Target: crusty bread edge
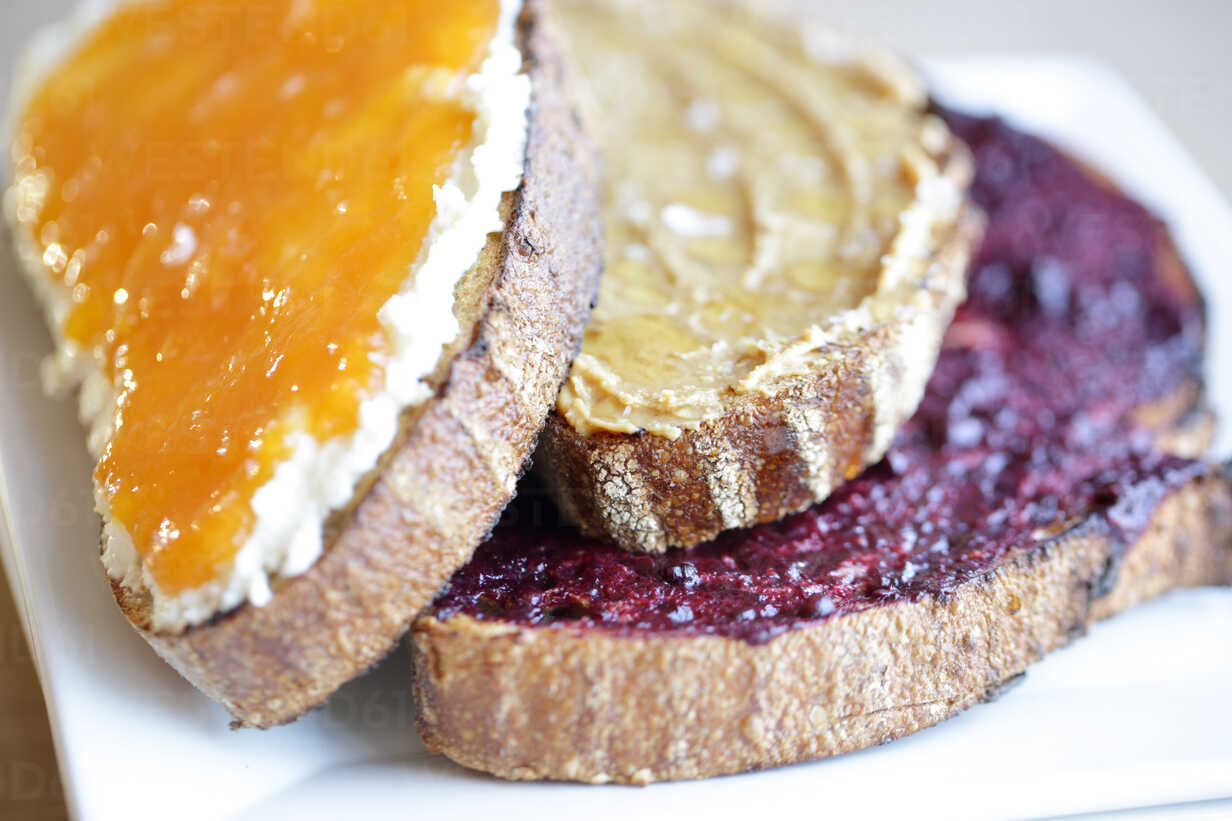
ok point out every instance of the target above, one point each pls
(442, 488)
(1183, 422)
(770, 455)
(563, 704)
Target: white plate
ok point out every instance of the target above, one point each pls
(1136, 714)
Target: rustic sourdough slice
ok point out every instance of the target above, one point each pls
(520, 302)
(786, 241)
(1026, 499)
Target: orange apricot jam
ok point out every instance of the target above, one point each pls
(230, 191)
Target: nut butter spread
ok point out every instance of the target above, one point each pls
(220, 198)
(767, 194)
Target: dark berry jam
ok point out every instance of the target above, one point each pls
(1075, 320)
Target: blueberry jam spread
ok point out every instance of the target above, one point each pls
(1078, 315)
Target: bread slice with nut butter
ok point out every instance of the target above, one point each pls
(786, 237)
(317, 272)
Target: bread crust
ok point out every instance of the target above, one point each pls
(442, 487)
(770, 455)
(565, 704)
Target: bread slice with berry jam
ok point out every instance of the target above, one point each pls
(1048, 480)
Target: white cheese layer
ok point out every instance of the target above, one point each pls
(320, 477)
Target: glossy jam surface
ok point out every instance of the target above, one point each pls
(230, 191)
(1027, 428)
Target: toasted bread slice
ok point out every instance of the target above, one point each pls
(1027, 498)
(600, 707)
(434, 495)
(785, 246)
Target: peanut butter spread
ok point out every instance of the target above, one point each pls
(769, 195)
(234, 207)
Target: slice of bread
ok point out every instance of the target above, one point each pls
(1027, 498)
(562, 704)
(457, 456)
(780, 390)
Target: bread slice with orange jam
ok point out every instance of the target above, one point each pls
(318, 283)
(786, 235)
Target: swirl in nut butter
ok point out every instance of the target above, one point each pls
(757, 185)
